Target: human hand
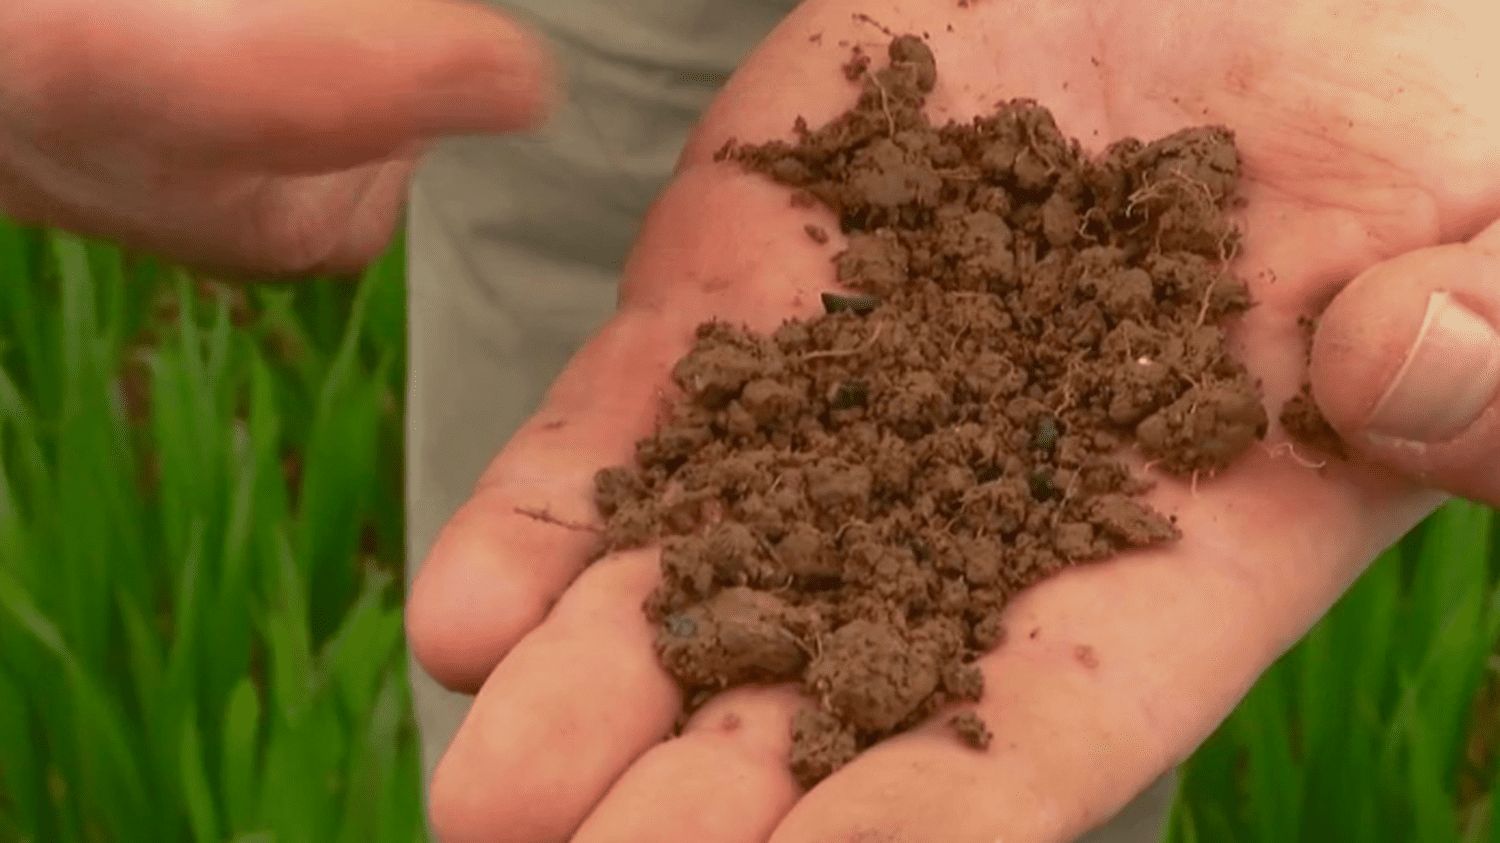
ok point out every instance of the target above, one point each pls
(259, 135)
(1406, 365)
(1353, 119)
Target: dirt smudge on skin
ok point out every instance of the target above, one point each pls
(1086, 656)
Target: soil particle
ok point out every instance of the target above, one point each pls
(1304, 422)
(850, 502)
(871, 677)
(963, 682)
(821, 743)
(1205, 429)
(1300, 416)
(738, 635)
(971, 730)
(1130, 522)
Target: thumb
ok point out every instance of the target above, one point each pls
(280, 85)
(1406, 365)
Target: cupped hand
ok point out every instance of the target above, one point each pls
(1369, 130)
(251, 135)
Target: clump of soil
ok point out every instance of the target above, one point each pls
(971, 730)
(1300, 416)
(850, 502)
(1304, 423)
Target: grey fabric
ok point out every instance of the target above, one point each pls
(515, 245)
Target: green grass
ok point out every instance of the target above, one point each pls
(200, 549)
(1379, 725)
(200, 632)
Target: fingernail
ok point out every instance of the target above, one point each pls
(1450, 375)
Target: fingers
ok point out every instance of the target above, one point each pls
(294, 226)
(1113, 673)
(716, 246)
(230, 225)
(561, 717)
(284, 85)
(371, 223)
(1406, 365)
(243, 136)
(279, 227)
(725, 780)
(531, 525)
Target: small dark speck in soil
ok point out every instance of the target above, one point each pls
(1305, 424)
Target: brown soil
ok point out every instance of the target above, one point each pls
(1304, 422)
(850, 502)
(971, 730)
(1300, 416)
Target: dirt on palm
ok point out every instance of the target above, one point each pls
(849, 503)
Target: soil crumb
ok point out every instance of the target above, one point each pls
(1300, 416)
(1305, 424)
(971, 730)
(849, 502)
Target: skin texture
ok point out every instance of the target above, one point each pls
(1368, 131)
(261, 136)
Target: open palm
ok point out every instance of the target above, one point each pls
(1367, 130)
